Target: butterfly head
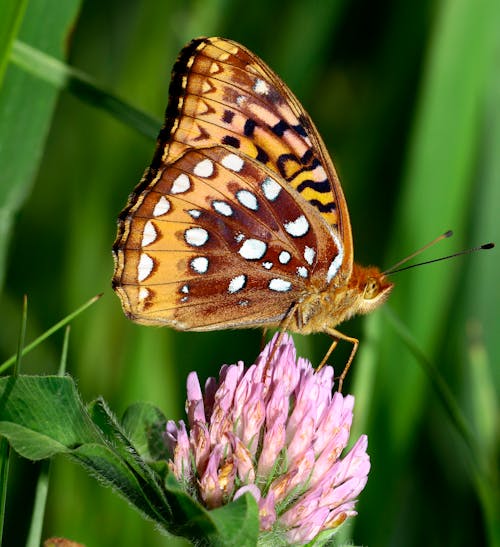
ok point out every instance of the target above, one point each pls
(371, 287)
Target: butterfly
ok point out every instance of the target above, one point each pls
(240, 220)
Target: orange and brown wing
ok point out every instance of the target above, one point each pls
(219, 241)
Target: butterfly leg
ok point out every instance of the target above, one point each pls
(263, 338)
(327, 354)
(336, 335)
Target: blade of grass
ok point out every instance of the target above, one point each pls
(22, 337)
(12, 16)
(441, 388)
(64, 353)
(49, 332)
(485, 418)
(26, 108)
(62, 76)
(42, 487)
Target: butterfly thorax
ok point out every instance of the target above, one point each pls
(366, 290)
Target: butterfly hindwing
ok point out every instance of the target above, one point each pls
(220, 241)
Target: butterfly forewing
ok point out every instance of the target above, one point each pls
(220, 241)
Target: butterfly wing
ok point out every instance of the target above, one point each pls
(221, 93)
(218, 240)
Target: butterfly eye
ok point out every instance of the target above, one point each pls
(372, 288)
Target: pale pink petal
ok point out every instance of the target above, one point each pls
(179, 441)
(242, 460)
(338, 418)
(267, 512)
(344, 492)
(210, 489)
(278, 404)
(302, 439)
(194, 404)
(209, 399)
(252, 419)
(303, 509)
(200, 446)
(273, 442)
(251, 489)
(308, 530)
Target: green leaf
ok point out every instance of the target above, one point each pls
(149, 480)
(110, 469)
(191, 519)
(238, 521)
(44, 416)
(146, 424)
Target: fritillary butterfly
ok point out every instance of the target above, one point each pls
(240, 220)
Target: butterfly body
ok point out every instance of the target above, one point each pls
(240, 221)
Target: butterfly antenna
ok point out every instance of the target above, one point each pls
(395, 269)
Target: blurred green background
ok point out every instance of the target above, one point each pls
(407, 98)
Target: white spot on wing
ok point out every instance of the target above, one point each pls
(162, 207)
(222, 208)
(181, 184)
(270, 188)
(247, 199)
(309, 255)
(298, 227)
(185, 289)
(253, 249)
(239, 237)
(204, 168)
(233, 162)
(194, 213)
(143, 293)
(302, 271)
(214, 68)
(261, 87)
(145, 267)
(196, 236)
(200, 264)
(284, 257)
(267, 265)
(279, 285)
(149, 234)
(337, 261)
(237, 283)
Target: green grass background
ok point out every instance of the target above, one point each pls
(407, 98)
